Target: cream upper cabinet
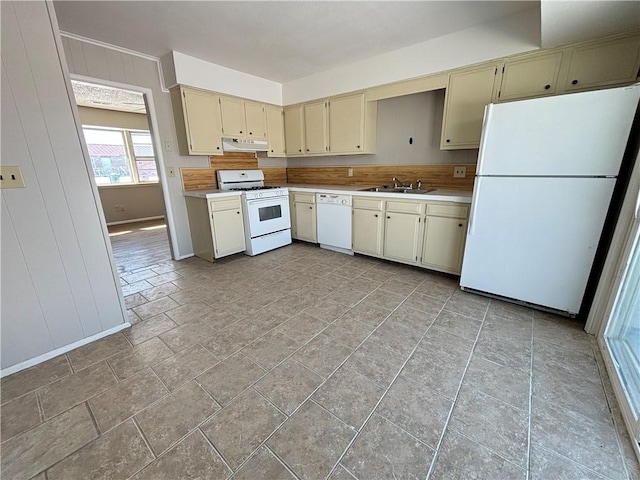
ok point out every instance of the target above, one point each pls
(315, 127)
(233, 117)
(467, 94)
(227, 227)
(368, 225)
(294, 130)
(275, 130)
(304, 217)
(603, 63)
(530, 77)
(256, 120)
(346, 124)
(198, 121)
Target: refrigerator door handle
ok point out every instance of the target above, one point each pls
(474, 206)
(637, 211)
(483, 138)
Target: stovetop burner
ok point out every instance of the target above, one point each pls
(246, 189)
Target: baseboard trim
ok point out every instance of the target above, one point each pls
(136, 220)
(59, 351)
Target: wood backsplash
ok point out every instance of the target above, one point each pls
(439, 176)
(199, 178)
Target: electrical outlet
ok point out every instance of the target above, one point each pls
(350, 172)
(171, 172)
(459, 171)
(11, 177)
(119, 208)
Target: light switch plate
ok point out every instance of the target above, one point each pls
(459, 171)
(11, 177)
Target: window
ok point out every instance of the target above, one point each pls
(121, 156)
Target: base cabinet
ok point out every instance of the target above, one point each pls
(401, 237)
(444, 243)
(216, 225)
(368, 227)
(304, 218)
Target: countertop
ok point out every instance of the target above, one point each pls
(443, 195)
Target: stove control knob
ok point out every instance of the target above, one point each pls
(259, 195)
(344, 202)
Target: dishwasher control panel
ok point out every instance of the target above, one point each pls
(333, 199)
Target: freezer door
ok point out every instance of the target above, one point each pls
(534, 239)
(580, 134)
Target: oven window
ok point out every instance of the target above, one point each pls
(270, 212)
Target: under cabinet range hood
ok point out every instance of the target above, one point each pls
(244, 145)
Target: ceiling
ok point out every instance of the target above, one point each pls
(279, 41)
(99, 96)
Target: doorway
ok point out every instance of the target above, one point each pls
(124, 159)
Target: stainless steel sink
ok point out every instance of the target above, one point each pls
(399, 190)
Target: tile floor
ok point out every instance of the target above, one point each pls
(303, 363)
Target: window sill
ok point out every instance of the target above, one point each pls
(129, 185)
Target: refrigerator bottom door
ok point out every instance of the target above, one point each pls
(534, 239)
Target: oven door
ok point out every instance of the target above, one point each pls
(267, 215)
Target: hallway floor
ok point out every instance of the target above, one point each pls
(303, 363)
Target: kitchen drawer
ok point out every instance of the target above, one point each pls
(367, 203)
(225, 204)
(447, 210)
(405, 207)
(300, 197)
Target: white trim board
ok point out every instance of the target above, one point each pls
(135, 220)
(59, 351)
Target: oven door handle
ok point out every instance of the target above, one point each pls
(257, 201)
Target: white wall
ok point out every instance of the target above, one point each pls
(573, 21)
(58, 283)
(194, 72)
(514, 34)
(417, 116)
(100, 63)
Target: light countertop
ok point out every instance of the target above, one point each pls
(442, 195)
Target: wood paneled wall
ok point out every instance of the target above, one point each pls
(199, 178)
(439, 176)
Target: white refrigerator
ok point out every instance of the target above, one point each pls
(546, 172)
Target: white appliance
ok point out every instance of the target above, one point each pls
(267, 222)
(244, 145)
(334, 222)
(546, 172)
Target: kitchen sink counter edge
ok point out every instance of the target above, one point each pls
(443, 195)
(210, 193)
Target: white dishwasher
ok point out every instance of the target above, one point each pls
(334, 222)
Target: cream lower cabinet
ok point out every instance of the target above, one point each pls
(445, 231)
(217, 227)
(402, 230)
(303, 216)
(368, 226)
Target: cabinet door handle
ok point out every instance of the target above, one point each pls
(250, 133)
(238, 213)
(300, 150)
(375, 215)
(310, 208)
(547, 86)
(388, 216)
(459, 224)
(240, 131)
(448, 140)
(574, 82)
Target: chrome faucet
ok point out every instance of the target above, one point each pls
(396, 181)
(419, 184)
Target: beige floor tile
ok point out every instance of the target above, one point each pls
(322, 355)
(97, 351)
(155, 307)
(498, 381)
(193, 457)
(327, 310)
(230, 377)
(146, 330)
(126, 399)
(32, 378)
(416, 409)
(35, 450)
(546, 464)
(311, 441)
(263, 466)
(564, 332)
(347, 296)
(466, 327)
(348, 332)
(509, 310)
(492, 423)
(136, 287)
(160, 291)
(76, 388)
(367, 312)
(518, 330)
(467, 306)
(349, 396)
(117, 454)
(383, 451)
(270, 349)
(301, 327)
(139, 357)
(232, 339)
(436, 290)
(184, 366)
(386, 299)
(187, 335)
(341, 473)
(189, 312)
(459, 457)
(19, 415)
(134, 300)
(424, 303)
(239, 429)
(164, 278)
(396, 337)
(288, 385)
(168, 420)
(395, 285)
(376, 362)
(412, 318)
(503, 351)
(547, 356)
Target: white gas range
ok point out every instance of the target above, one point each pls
(267, 222)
